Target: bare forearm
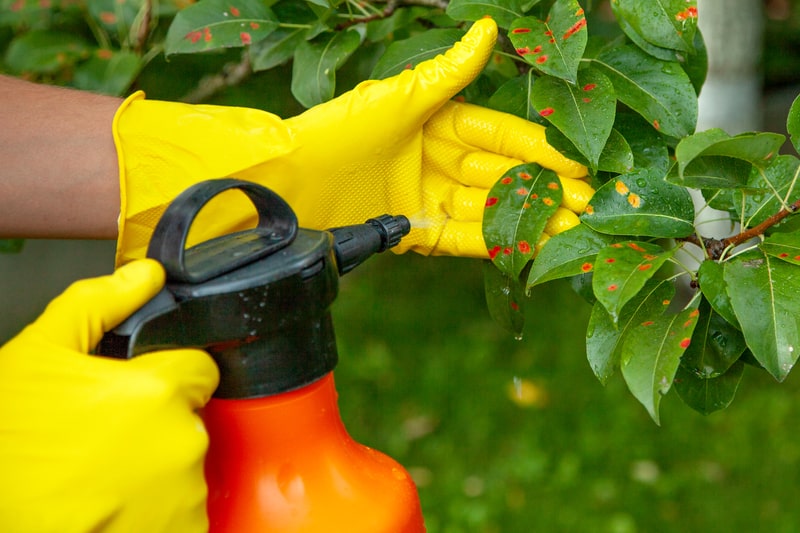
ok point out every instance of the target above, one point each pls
(59, 174)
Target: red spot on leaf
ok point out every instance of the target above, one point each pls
(235, 11)
(245, 37)
(547, 201)
(541, 59)
(194, 36)
(409, 66)
(611, 260)
(666, 302)
(688, 323)
(492, 200)
(646, 266)
(589, 86)
(694, 313)
(506, 180)
(552, 40)
(537, 49)
(494, 251)
(523, 51)
(616, 245)
(534, 196)
(255, 25)
(547, 111)
(548, 33)
(524, 247)
(522, 191)
(635, 247)
(108, 17)
(507, 251)
(649, 257)
(18, 5)
(579, 12)
(613, 287)
(586, 100)
(784, 255)
(685, 343)
(586, 267)
(656, 124)
(521, 30)
(797, 258)
(514, 305)
(575, 28)
(524, 175)
(553, 185)
(648, 323)
(105, 53)
(207, 34)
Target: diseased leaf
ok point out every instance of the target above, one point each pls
(584, 113)
(658, 90)
(214, 24)
(641, 203)
(517, 209)
(604, 338)
(622, 269)
(785, 246)
(651, 355)
(315, 65)
(568, 254)
(763, 292)
(553, 46)
(667, 24)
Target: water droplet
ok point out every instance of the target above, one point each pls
(641, 182)
(518, 337)
(246, 316)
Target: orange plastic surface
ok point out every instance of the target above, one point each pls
(286, 463)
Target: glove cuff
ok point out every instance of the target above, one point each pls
(165, 147)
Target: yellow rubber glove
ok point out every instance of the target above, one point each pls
(392, 146)
(89, 443)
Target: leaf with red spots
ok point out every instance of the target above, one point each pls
(315, 65)
(763, 292)
(658, 90)
(584, 115)
(518, 207)
(410, 52)
(215, 24)
(641, 203)
(554, 46)
(669, 24)
(568, 254)
(505, 297)
(651, 355)
(504, 12)
(714, 159)
(604, 337)
(622, 269)
(785, 246)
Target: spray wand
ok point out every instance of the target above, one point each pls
(258, 301)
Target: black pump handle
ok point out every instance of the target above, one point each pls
(276, 228)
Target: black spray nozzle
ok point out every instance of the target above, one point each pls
(355, 244)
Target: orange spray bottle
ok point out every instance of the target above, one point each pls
(280, 459)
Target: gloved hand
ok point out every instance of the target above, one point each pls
(89, 443)
(393, 146)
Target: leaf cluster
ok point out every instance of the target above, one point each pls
(673, 306)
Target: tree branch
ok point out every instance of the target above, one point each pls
(232, 74)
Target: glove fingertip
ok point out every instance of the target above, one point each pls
(191, 372)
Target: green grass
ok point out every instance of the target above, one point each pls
(427, 377)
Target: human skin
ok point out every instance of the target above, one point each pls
(59, 174)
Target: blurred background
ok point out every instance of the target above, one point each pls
(517, 435)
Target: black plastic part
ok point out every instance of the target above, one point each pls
(265, 321)
(277, 226)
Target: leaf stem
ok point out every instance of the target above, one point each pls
(232, 74)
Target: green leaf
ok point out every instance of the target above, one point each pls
(45, 52)
(514, 97)
(641, 203)
(647, 146)
(616, 157)
(584, 113)
(658, 90)
(517, 209)
(504, 12)
(214, 24)
(567, 254)
(116, 16)
(554, 46)
(662, 23)
(716, 345)
(651, 355)
(710, 276)
(108, 72)
(714, 159)
(763, 292)
(793, 124)
(708, 395)
(279, 46)
(622, 269)
(411, 52)
(767, 191)
(315, 65)
(785, 246)
(11, 246)
(605, 338)
(504, 297)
